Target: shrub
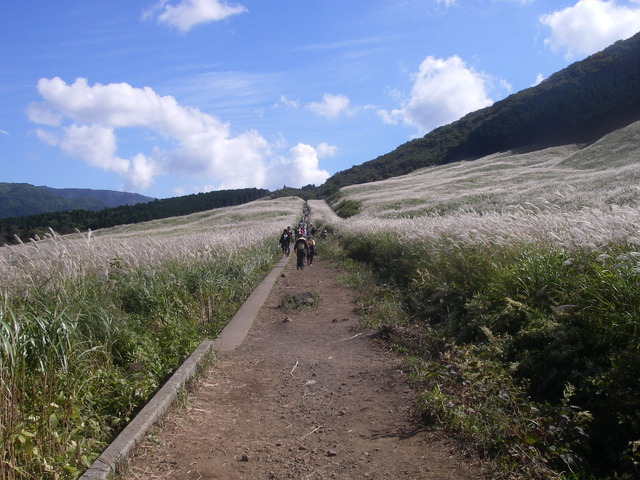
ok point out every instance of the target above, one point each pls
(347, 208)
(552, 332)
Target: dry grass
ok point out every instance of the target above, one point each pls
(568, 177)
(224, 231)
(565, 196)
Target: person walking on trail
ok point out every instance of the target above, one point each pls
(301, 249)
(285, 242)
(311, 249)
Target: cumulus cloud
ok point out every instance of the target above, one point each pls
(590, 26)
(331, 106)
(189, 13)
(539, 79)
(325, 150)
(302, 163)
(443, 91)
(90, 120)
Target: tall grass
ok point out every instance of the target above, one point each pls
(567, 178)
(521, 272)
(527, 351)
(91, 325)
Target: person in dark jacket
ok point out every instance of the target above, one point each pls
(285, 242)
(301, 248)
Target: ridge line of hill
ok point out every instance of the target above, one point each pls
(578, 104)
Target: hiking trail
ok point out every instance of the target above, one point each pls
(308, 394)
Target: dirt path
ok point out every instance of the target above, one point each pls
(308, 395)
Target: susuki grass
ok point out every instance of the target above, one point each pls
(91, 324)
(565, 178)
(520, 273)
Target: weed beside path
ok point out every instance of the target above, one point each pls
(308, 394)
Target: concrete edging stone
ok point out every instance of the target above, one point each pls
(229, 339)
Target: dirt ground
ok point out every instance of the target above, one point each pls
(308, 395)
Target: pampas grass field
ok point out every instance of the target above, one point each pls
(523, 271)
(92, 323)
(515, 274)
(567, 178)
(216, 233)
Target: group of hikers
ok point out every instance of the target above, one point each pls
(304, 244)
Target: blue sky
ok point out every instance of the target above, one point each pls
(173, 97)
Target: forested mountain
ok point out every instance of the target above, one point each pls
(578, 104)
(63, 222)
(109, 198)
(18, 199)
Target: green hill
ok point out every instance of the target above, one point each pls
(109, 198)
(578, 104)
(19, 199)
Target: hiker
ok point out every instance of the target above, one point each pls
(301, 249)
(285, 242)
(311, 249)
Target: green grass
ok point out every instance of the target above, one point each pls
(526, 351)
(79, 358)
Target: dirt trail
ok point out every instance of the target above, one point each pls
(308, 395)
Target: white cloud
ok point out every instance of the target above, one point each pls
(142, 172)
(443, 91)
(331, 106)
(95, 144)
(325, 150)
(43, 116)
(539, 79)
(288, 102)
(91, 119)
(189, 13)
(590, 26)
(300, 166)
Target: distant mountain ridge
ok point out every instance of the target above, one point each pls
(110, 198)
(578, 104)
(20, 199)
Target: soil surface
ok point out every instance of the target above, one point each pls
(308, 395)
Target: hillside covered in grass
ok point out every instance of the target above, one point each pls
(567, 177)
(511, 285)
(68, 221)
(578, 104)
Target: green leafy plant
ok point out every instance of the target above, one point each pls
(522, 349)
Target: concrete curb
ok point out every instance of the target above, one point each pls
(229, 339)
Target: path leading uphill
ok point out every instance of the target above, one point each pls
(307, 395)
